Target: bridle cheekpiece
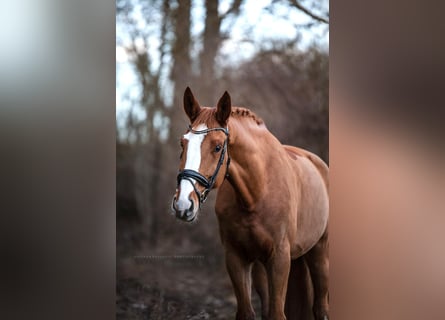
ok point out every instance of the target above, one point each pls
(208, 184)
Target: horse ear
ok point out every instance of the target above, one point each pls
(191, 105)
(223, 109)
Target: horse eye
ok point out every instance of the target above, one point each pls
(218, 148)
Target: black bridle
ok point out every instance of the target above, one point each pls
(208, 184)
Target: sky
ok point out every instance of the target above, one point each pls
(246, 31)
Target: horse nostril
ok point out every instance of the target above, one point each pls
(192, 206)
(179, 214)
(192, 203)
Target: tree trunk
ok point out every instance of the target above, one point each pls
(211, 44)
(181, 70)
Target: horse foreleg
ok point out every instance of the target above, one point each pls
(240, 273)
(317, 260)
(261, 286)
(278, 267)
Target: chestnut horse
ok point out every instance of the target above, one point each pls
(272, 204)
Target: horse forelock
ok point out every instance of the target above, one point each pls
(206, 116)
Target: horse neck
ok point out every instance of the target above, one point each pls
(253, 152)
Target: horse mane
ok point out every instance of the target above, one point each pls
(244, 112)
(207, 115)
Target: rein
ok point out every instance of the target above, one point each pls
(208, 184)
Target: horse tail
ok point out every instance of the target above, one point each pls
(299, 296)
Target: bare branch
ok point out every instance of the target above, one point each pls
(163, 45)
(234, 8)
(299, 6)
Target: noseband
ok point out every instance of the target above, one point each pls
(208, 184)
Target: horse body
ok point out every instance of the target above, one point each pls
(274, 201)
(272, 207)
(249, 201)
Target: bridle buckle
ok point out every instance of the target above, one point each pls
(204, 195)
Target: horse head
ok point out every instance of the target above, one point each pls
(204, 158)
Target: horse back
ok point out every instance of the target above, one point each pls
(323, 169)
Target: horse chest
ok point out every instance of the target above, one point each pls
(247, 236)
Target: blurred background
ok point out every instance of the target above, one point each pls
(272, 57)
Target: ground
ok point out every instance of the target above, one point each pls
(160, 286)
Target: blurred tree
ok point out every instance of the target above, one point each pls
(169, 22)
(212, 39)
(181, 61)
(289, 89)
(323, 17)
(147, 162)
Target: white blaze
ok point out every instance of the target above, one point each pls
(192, 162)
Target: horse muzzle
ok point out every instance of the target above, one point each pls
(183, 210)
